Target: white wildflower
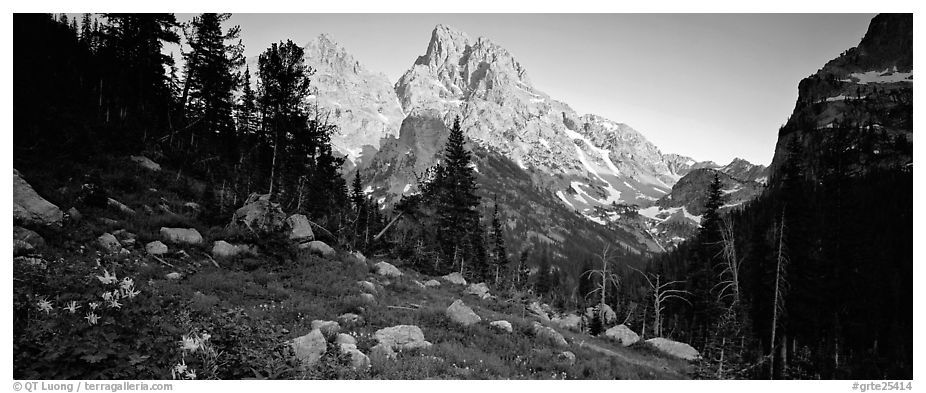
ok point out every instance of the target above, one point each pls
(44, 305)
(92, 318)
(72, 307)
(107, 278)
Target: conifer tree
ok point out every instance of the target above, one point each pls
(499, 253)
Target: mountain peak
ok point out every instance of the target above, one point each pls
(325, 50)
(447, 44)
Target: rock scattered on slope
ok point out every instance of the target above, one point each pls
(674, 348)
(567, 358)
(623, 335)
(609, 316)
(121, 207)
(455, 278)
(30, 208)
(329, 329)
(26, 241)
(223, 249)
(156, 248)
(109, 243)
(319, 248)
(480, 290)
(462, 314)
(402, 337)
(432, 283)
(367, 286)
(310, 347)
(350, 320)
(300, 230)
(535, 309)
(368, 298)
(181, 235)
(502, 325)
(258, 215)
(549, 335)
(387, 269)
(173, 276)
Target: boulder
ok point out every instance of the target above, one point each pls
(173, 276)
(345, 339)
(609, 316)
(535, 309)
(569, 322)
(432, 283)
(146, 163)
(623, 335)
(480, 290)
(382, 352)
(566, 358)
(30, 208)
(402, 337)
(548, 335)
(156, 248)
(299, 229)
(181, 235)
(419, 284)
(674, 348)
(223, 249)
(455, 278)
(367, 286)
(350, 320)
(368, 298)
(310, 348)
(121, 207)
(359, 256)
(318, 248)
(502, 325)
(109, 243)
(386, 269)
(358, 360)
(329, 329)
(26, 241)
(462, 314)
(75, 215)
(258, 215)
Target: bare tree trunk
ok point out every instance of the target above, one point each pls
(778, 302)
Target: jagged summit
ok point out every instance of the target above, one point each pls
(324, 49)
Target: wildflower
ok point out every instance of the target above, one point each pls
(107, 278)
(107, 296)
(44, 305)
(94, 305)
(115, 304)
(179, 368)
(127, 283)
(131, 293)
(72, 307)
(92, 318)
(191, 374)
(189, 343)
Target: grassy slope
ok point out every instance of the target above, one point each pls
(289, 292)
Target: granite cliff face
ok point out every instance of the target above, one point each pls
(362, 103)
(860, 102)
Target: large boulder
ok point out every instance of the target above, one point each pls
(30, 208)
(462, 314)
(109, 243)
(358, 360)
(350, 320)
(502, 325)
(345, 339)
(181, 236)
(146, 163)
(566, 358)
(156, 248)
(299, 229)
(480, 290)
(402, 337)
(223, 249)
(258, 215)
(310, 348)
(674, 348)
(387, 269)
(432, 283)
(623, 335)
(548, 335)
(319, 248)
(26, 241)
(535, 309)
(569, 322)
(455, 278)
(329, 329)
(609, 316)
(366, 286)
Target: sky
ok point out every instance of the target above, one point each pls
(709, 86)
